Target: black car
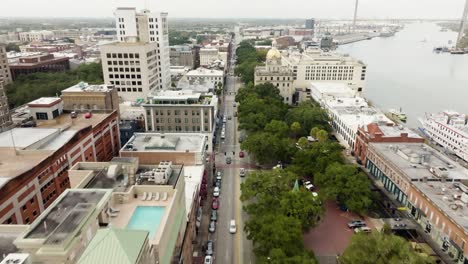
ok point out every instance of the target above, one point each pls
(214, 215)
(218, 184)
(228, 160)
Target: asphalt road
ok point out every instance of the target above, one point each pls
(231, 248)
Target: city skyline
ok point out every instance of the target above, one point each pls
(337, 9)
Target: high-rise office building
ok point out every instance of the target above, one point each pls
(147, 27)
(310, 23)
(139, 63)
(5, 78)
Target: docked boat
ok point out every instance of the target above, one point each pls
(398, 114)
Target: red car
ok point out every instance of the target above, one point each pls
(215, 204)
(241, 154)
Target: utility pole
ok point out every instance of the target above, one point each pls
(461, 33)
(355, 14)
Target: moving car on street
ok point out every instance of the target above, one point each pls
(232, 226)
(241, 154)
(242, 172)
(228, 160)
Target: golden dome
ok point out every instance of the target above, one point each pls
(273, 54)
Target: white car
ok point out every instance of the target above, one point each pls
(308, 185)
(232, 226)
(208, 260)
(218, 176)
(242, 172)
(363, 229)
(216, 192)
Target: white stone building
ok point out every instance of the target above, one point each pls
(278, 75)
(203, 75)
(133, 68)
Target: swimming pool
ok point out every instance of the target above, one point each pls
(146, 218)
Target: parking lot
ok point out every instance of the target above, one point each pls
(332, 235)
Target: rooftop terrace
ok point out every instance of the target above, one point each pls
(164, 142)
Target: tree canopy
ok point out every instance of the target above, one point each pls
(347, 185)
(380, 248)
(27, 88)
(247, 59)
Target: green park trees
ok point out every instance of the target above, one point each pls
(381, 248)
(278, 214)
(347, 185)
(247, 59)
(29, 87)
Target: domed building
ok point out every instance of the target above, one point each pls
(277, 74)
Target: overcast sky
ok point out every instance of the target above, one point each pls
(239, 8)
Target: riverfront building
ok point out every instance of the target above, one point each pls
(430, 185)
(450, 130)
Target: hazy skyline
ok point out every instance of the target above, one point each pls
(341, 9)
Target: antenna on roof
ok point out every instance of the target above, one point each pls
(13, 141)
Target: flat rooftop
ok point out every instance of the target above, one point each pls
(396, 131)
(85, 87)
(181, 97)
(8, 234)
(166, 142)
(14, 163)
(45, 101)
(205, 72)
(65, 215)
(333, 89)
(442, 194)
(416, 160)
(64, 121)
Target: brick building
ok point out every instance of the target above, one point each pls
(388, 133)
(35, 160)
(430, 186)
(5, 78)
(38, 63)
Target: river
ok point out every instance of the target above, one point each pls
(403, 71)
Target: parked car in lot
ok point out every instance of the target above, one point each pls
(309, 186)
(232, 226)
(362, 229)
(214, 215)
(216, 192)
(228, 160)
(215, 204)
(241, 154)
(242, 172)
(208, 260)
(356, 223)
(212, 227)
(209, 248)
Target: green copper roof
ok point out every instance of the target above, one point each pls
(296, 186)
(117, 246)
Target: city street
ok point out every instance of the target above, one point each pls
(231, 248)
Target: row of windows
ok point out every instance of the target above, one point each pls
(330, 67)
(179, 120)
(123, 55)
(131, 63)
(125, 76)
(176, 112)
(131, 69)
(180, 128)
(126, 82)
(123, 89)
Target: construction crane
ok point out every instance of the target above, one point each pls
(461, 33)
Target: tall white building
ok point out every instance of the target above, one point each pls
(450, 130)
(133, 68)
(139, 63)
(149, 27)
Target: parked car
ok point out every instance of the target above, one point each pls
(241, 154)
(356, 223)
(242, 172)
(208, 260)
(228, 160)
(212, 227)
(224, 119)
(216, 192)
(209, 248)
(232, 226)
(234, 105)
(218, 184)
(309, 186)
(362, 229)
(229, 117)
(214, 215)
(215, 204)
(218, 176)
